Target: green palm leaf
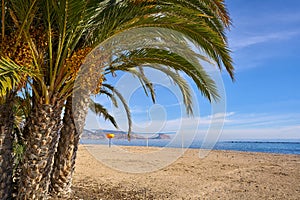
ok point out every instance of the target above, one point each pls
(204, 22)
(153, 57)
(100, 110)
(12, 75)
(124, 103)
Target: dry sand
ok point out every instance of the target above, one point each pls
(220, 175)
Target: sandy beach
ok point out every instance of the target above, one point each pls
(220, 175)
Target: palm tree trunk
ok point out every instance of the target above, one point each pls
(64, 164)
(43, 128)
(61, 179)
(6, 150)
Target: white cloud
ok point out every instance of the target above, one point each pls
(174, 105)
(263, 119)
(287, 132)
(244, 41)
(236, 126)
(138, 110)
(220, 115)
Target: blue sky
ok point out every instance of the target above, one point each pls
(263, 102)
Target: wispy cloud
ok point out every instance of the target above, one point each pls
(286, 132)
(254, 120)
(244, 41)
(138, 110)
(174, 105)
(236, 126)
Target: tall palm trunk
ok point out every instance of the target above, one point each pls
(43, 128)
(61, 179)
(64, 164)
(6, 150)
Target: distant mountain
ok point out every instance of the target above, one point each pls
(101, 134)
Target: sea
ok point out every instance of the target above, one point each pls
(265, 146)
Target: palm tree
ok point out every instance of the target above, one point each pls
(214, 26)
(65, 156)
(6, 145)
(57, 33)
(15, 67)
(12, 79)
(64, 160)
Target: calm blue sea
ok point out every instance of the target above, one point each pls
(266, 146)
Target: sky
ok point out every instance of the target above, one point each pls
(264, 100)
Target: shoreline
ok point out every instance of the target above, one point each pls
(216, 149)
(222, 174)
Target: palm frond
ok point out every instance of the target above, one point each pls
(111, 92)
(110, 96)
(204, 22)
(12, 75)
(73, 24)
(124, 103)
(180, 82)
(159, 56)
(98, 109)
(138, 73)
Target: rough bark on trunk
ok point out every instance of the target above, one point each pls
(61, 178)
(76, 111)
(64, 161)
(43, 128)
(6, 150)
